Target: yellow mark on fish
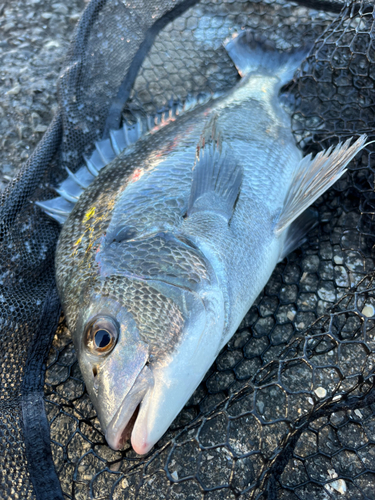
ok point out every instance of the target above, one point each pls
(89, 214)
(91, 226)
(78, 241)
(264, 90)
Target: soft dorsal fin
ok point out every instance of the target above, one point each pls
(217, 175)
(313, 177)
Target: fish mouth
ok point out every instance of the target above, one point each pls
(121, 426)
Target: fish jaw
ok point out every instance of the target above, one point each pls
(162, 404)
(119, 429)
(176, 378)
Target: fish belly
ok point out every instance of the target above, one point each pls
(244, 254)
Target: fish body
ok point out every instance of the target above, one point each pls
(167, 249)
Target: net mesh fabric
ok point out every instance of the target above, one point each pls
(287, 411)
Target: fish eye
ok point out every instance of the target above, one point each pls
(101, 335)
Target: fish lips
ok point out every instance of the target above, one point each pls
(120, 427)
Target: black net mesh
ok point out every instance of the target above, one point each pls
(288, 409)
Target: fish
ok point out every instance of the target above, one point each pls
(169, 235)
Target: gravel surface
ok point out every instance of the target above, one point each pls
(34, 37)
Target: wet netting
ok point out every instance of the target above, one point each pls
(288, 409)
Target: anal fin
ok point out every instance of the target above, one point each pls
(313, 177)
(217, 176)
(297, 231)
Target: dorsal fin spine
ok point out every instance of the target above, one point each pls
(66, 195)
(75, 178)
(119, 140)
(139, 127)
(126, 133)
(100, 152)
(115, 146)
(90, 166)
(149, 123)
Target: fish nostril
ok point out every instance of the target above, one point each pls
(94, 371)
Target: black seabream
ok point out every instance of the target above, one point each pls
(169, 236)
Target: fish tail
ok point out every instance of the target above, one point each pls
(255, 54)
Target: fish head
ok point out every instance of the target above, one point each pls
(144, 343)
(114, 363)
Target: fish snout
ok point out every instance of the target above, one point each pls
(120, 427)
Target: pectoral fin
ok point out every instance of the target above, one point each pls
(217, 176)
(313, 177)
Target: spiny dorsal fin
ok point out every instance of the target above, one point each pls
(217, 175)
(107, 149)
(313, 177)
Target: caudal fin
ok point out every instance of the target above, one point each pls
(252, 54)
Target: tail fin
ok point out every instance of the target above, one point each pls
(254, 54)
